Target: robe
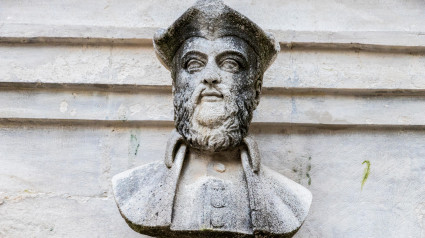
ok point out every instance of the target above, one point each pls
(146, 195)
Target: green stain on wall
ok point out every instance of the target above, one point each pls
(309, 179)
(134, 145)
(303, 169)
(137, 149)
(366, 172)
(308, 170)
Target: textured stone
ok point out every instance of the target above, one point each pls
(50, 216)
(301, 16)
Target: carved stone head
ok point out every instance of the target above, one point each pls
(217, 58)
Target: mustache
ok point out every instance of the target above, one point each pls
(203, 90)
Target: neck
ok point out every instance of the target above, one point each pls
(228, 156)
(216, 164)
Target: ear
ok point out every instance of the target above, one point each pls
(258, 86)
(172, 147)
(253, 152)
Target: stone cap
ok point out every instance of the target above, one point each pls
(212, 19)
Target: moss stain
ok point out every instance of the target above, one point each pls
(366, 172)
(309, 179)
(134, 145)
(205, 229)
(308, 170)
(302, 170)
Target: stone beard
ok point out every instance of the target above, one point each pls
(214, 124)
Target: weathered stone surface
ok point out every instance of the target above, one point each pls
(38, 149)
(67, 171)
(303, 15)
(330, 164)
(50, 216)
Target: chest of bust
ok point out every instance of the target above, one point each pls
(212, 195)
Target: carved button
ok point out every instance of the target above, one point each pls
(217, 219)
(219, 167)
(218, 194)
(218, 202)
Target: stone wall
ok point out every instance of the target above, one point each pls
(83, 97)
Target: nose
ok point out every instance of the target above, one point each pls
(211, 77)
(211, 80)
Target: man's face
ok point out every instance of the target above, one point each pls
(215, 91)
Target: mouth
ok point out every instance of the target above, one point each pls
(211, 96)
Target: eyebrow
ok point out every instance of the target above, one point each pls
(190, 53)
(234, 52)
(194, 52)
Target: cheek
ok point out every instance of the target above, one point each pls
(243, 82)
(183, 83)
(180, 80)
(185, 79)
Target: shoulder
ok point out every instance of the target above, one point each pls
(137, 191)
(129, 182)
(288, 202)
(288, 187)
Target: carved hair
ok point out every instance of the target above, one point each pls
(229, 134)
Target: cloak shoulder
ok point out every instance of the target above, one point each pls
(279, 205)
(145, 195)
(137, 191)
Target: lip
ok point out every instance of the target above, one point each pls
(211, 96)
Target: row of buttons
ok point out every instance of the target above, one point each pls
(218, 201)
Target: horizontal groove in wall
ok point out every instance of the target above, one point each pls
(386, 41)
(132, 88)
(352, 46)
(86, 123)
(257, 126)
(76, 41)
(147, 42)
(285, 45)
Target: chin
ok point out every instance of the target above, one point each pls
(225, 135)
(212, 126)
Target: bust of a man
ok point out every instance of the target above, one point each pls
(212, 183)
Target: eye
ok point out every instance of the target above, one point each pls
(230, 65)
(194, 65)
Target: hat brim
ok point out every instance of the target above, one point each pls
(212, 20)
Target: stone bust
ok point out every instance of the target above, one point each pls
(212, 183)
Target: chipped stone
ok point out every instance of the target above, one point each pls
(219, 167)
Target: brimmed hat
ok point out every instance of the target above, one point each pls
(212, 19)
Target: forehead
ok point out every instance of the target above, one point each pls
(211, 47)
